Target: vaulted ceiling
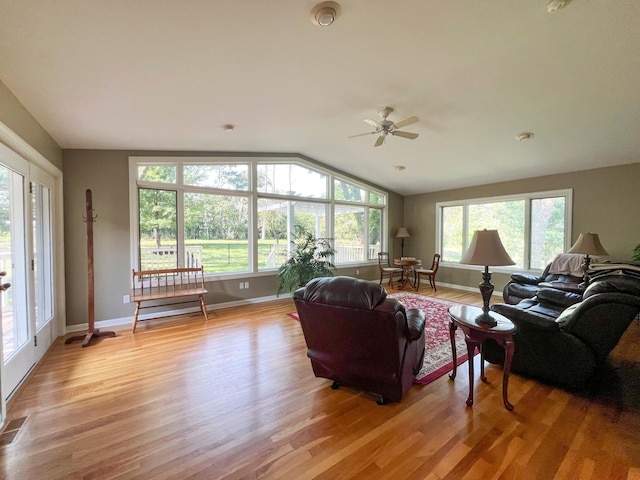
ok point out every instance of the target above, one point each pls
(165, 75)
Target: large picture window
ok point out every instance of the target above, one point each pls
(534, 228)
(239, 215)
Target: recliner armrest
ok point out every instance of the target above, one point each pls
(526, 278)
(415, 323)
(523, 317)
(555, 297)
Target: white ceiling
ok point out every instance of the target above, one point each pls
(165, 74)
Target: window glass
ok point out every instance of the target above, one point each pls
(158, 228)
(348, 192)
(452, 229)
(278, 221)
(291, 179)
(226, 176)
(507, 218)
(375, 233)
(377, 199)
(216, 232)
(157, 173)
(547, 230)
(349, 234)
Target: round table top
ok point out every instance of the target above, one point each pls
(407, 261)
(467, 315)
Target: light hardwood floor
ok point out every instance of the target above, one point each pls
(235, 398)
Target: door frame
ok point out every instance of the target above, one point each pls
(27, 152)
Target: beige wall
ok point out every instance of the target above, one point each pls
(605, 201)
(22, 123)
(106, 174)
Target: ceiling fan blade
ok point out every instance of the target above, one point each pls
(407, 121)
(373, 123)
(405, 134)
(361, 134)
(379, 141)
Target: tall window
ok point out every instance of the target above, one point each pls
(533, 227)
(239, 215)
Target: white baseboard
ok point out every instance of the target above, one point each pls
(114, 322)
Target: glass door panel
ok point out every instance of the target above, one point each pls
(17, 352)
(42, 254)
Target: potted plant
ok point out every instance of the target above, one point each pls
(310, 258)
(636, 254)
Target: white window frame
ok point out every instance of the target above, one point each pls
(528, 198)
(253, 196)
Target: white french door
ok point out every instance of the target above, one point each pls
(26, 239)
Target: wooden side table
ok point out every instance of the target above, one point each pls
(407, 266)
(475, 333)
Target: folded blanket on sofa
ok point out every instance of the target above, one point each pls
(567, 264)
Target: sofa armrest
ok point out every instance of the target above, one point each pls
(526, 318)
(556, 297)
(415, 323)
(526, 278)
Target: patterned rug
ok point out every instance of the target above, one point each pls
(437, 357)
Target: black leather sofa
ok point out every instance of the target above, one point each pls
(526, 285)
(561, 337)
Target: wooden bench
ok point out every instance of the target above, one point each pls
(156, 286)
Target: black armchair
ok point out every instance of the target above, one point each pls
(561, 338)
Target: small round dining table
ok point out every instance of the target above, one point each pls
(407, 265)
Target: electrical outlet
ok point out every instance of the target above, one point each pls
(241, 285)
(246, 284)
(357, 271)
(126, 299)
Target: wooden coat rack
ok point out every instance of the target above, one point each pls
(91, 332)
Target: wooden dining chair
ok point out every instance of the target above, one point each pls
(429, 272)
(384, 262)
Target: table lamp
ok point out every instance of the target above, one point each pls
(402, 234)
(486, 249)
(589, 244)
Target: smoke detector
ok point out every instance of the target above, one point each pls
(325, 13)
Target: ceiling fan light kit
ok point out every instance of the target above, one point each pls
(385, 127)
(325, 13)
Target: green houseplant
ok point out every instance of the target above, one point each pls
(310, 258)
(636, 254)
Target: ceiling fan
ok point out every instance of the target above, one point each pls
(386, 127)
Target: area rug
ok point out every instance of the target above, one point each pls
(438, 359)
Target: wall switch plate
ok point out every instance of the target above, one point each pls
(241, 285)
(246, 284)
(126, 299)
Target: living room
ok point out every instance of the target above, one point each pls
(603, 185)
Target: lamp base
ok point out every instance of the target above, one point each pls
(486, 290)
(486, 320)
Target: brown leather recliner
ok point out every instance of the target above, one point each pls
(358, 337)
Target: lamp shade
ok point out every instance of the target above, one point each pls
(402, 233)
(588, 244)
(486, 249)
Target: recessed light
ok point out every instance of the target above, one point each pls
(228, 127)
(524, 136)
